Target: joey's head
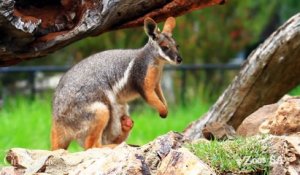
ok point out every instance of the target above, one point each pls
(163, 42)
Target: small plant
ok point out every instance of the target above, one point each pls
(242, 155)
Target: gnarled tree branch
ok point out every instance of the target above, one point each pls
(33, 28)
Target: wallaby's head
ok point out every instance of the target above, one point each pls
(163, 42)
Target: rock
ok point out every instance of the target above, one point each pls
(250, 126)
(182, 161)
(286, 119)
(285, 151)
(123, 159)
(218, 131)
(10, 170)
(163, 156)
(282, 118)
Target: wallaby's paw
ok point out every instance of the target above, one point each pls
(126, 123)
(164, 114)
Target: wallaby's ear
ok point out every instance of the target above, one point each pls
(169, 25)
(150, 27)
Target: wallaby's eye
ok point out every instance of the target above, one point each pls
(164, 48)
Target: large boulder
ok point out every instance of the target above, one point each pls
(282, 118)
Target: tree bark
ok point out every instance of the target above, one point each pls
(30, 29)
(271, 71)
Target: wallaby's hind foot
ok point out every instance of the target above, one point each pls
(58, 138)
(94, 137)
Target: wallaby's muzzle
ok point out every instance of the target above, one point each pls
(178, 59)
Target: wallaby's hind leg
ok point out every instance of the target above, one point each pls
(94, 136)
(58, 138)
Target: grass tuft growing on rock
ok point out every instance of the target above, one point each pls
(242, 155)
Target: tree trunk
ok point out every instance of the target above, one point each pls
(34, 28)
(271, 71)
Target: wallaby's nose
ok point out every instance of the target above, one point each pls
(178, 59)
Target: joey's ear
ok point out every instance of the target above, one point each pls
(169, 25)
(150, 27)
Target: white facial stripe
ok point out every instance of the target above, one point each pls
(122, 82)
(162, 54)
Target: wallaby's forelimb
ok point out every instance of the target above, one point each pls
(160, 94)
(151, 96)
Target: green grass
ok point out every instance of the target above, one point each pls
(25, 123)
(242, 155)
(295, 91)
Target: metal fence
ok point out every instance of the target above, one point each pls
(32, 71)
